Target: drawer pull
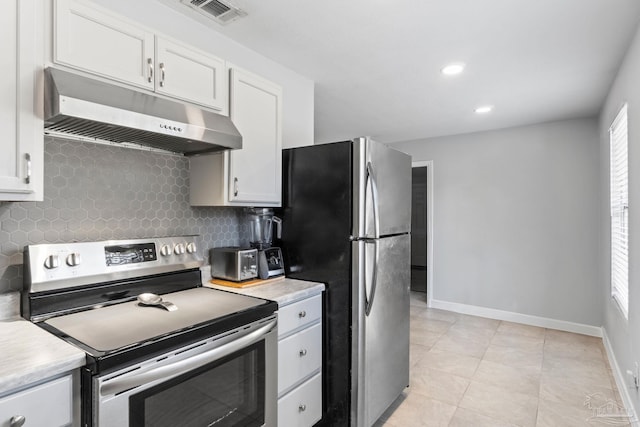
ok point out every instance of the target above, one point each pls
(17, 421)
(303, 352)
(302, 407)
(302, 314)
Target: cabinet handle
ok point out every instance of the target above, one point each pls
(303, 352)
(302, 407)
(150, 75)
(302, 314)
(17, 421)
(162, 74)
(235, 186)
(27, 178)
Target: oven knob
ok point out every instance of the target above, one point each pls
(165, 250)
(191, 247)
(179, 249)
(51, 262)
(73, 259)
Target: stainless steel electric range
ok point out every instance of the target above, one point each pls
(162, 350)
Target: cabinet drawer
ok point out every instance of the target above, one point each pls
(303, 406)
(299, 356)
(46, 405)
(299, 314)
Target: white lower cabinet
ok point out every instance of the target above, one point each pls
(303, 406)
(44, 405)
(300, 314)
(300, 363)
(299, 356)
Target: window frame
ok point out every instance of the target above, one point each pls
(619, 209)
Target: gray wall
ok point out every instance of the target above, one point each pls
(99, 192)
(516, 219)
(623, 334)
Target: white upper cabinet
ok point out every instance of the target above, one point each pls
(190, 74)
(250, 176)
(256, 110)
(92, 39)
(21, 137)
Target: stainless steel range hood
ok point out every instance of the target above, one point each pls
(81, 106)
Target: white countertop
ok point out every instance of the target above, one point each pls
(29, 354)
(283, 292)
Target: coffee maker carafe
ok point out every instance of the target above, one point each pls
(261, 222)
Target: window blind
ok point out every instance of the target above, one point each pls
(619, 211)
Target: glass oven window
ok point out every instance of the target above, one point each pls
(227, 392)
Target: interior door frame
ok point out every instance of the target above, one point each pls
(429, 165)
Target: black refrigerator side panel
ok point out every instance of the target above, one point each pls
(317, 224)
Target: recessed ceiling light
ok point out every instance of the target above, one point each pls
(484, 109)
(453, 69)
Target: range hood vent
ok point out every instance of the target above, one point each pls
(81, 106)
(217, 10)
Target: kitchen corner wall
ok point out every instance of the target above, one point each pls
(515, 220)
(100, 192)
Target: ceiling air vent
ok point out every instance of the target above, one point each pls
(221, 12)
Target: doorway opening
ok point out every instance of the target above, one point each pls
(421, 242)
(419, 229)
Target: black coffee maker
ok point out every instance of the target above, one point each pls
(261, 221)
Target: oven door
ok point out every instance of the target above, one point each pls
(228, 380)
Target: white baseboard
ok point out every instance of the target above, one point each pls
(621, 379)
(510, 316)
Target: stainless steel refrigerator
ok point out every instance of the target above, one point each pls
(346, 222)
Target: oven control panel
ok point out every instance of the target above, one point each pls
(130, 254)
(61, 265)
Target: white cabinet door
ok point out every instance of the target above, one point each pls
(250, 176)
(256, 110)
(93, 40)
(48, 404)
(191, 75)
(21, 135)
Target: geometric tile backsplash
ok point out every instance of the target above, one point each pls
(100, 192)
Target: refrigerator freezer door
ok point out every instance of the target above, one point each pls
(378, 167)
(381, 339)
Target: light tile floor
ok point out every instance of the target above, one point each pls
(473, 372)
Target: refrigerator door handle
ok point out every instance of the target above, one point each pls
(374, 200)
(368, 299)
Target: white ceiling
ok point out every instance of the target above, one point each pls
(376, 63)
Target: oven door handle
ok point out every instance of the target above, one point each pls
(128, 382)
